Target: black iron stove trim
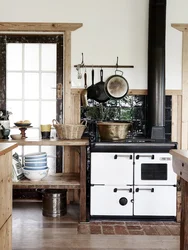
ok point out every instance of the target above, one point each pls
(133, 147)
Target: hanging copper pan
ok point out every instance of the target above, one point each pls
(116, 86)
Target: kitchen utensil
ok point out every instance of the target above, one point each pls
(16, 136)
(45, 131)
(116, 86)
(35, 175)
(113, 131)
(35, 164)
(91, 89)
(36, 155)
(99, 92)
(84, 92)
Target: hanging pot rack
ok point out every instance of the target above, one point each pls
(82, 65)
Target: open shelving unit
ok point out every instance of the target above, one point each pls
(70, 181)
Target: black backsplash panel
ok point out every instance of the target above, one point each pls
(132, 108)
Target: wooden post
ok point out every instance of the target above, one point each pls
(83, 183)
(184, 118)
(184, 217)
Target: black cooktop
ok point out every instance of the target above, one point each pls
(134, 145)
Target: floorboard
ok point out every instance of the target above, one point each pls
(31, 230)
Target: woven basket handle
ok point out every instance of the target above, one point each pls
(55, 122)
(84, 122)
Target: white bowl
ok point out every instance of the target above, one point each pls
(35, 168)
(35, 164)
(36, 159)
(16, 136)
(36, 155)
(35, 175)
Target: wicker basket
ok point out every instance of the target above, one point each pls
(69, 131)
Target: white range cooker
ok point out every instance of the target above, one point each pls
(136, 184)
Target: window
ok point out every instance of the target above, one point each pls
(33, 69)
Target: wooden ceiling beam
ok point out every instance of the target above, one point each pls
(180, 26)
(38, 27)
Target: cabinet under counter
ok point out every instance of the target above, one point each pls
(6, 195)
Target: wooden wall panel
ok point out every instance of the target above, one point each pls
(6, 201)
(5, 187)
(6, 235)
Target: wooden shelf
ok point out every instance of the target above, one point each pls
(66, 181)
(46, 142)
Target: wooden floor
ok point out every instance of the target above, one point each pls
(31, 230)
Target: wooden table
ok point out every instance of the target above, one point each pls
(66, 181)
(180, 167)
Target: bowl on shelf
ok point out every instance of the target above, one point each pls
(35, 168)
(35, 175)
(22, 124)
(36, 156)
(41, 160)
(16, 136)
(35, 164)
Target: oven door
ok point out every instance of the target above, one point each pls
(112, 168)
(111, 200)
(154, 169)
(155, 201)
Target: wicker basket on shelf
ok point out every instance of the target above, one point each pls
(69, 131)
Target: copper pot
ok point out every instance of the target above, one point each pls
(113, 131)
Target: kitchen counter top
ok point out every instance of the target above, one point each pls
(180, 167)
(180, 163)
(6, 147)
(48, 142)
(180, 154)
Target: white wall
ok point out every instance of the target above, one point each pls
(110, 29)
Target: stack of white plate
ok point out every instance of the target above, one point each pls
(35, 166)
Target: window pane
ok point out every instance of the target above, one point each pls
(48, 112)
(14, 86)
(14, 56)
(31, 57)
(48, 86)
(32, 133)
(15, 130)
(31, 149)
(48, 57)
(31, 85)
(50, 150)
(31, 112)
(16, 108)
(18, 150)
(52, 165)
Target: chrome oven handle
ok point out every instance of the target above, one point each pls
(124, 156)
(150, 156)
(123, 189)
(145, 189)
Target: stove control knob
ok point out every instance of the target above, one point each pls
(123, 201)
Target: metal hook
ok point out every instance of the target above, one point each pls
(82, 63)
(79, 66)
(117, 67)
(117, 62)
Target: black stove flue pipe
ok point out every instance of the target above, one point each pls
(156, 69)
